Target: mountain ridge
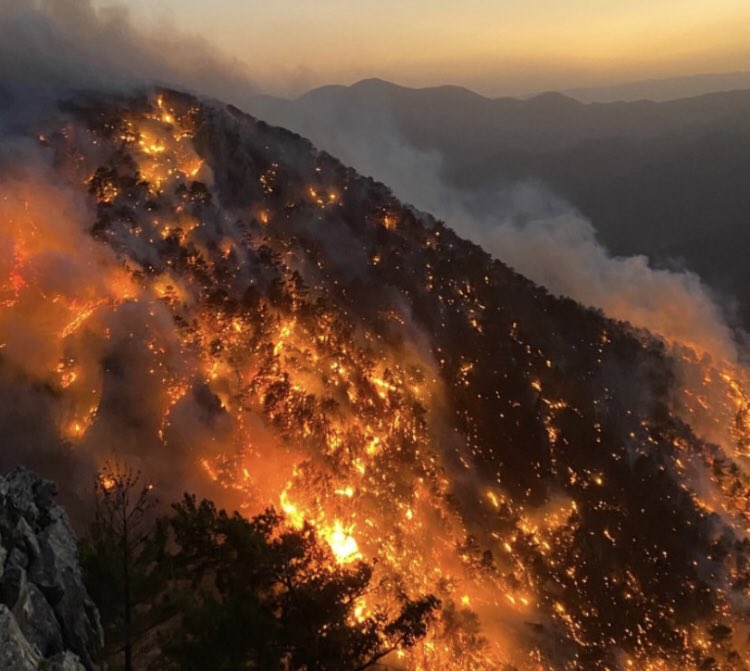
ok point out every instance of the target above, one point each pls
(270, 328)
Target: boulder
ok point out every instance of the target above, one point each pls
(65, 661)
(12, 585)
(38, 622)
(16, 653)
(47, 620)
(58, 575)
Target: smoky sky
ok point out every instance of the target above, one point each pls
(51, 48)
(496, 48)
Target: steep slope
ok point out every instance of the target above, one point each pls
(245, 316)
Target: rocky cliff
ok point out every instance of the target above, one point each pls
(47, 620)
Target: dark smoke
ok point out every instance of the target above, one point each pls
(49, 48)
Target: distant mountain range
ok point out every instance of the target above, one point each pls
(668, 179)
(669, 88)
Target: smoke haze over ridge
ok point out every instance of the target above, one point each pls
(53, 47)
(532, 229)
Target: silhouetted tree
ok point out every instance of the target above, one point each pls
(118, 553)
(226, 592)
(263, 596)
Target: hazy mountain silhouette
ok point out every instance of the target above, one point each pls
(669, 88)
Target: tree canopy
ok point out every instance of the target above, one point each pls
(214, 590)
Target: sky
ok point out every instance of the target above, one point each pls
(495, 47)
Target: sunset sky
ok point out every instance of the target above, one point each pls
(493, 46)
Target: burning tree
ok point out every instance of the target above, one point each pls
(264, 596)
(226, 592)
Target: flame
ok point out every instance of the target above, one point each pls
(343, 544)
(293, 513)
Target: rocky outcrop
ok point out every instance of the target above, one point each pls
(47, 620)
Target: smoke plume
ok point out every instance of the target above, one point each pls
(49, 48)
(528, 227)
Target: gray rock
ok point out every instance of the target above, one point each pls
(12, 586)
(44, 495)
(17, 558)
(65, 661)
(20, 493)
(57, 562)
(24, 538)
(58, 575)
(16, 653)
(37, 621)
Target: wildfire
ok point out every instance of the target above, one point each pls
(242, 332)
(77, 428)
(293, 513)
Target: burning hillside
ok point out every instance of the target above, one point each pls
(212, 298)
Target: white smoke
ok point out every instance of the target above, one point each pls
(561, 253)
